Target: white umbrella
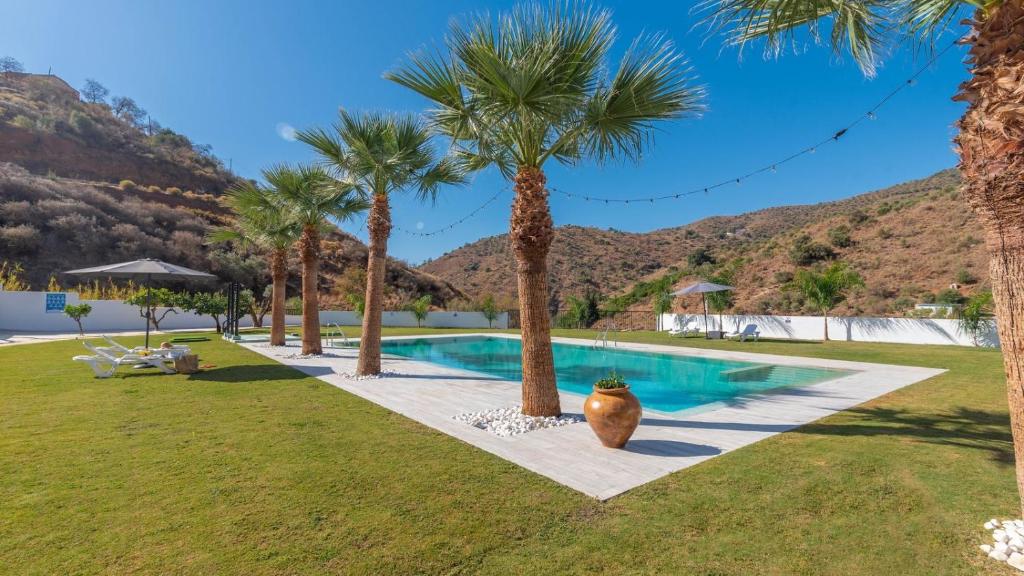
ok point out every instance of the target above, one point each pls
(145, 269)
(702, 288)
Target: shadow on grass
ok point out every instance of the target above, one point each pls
(266, 372)
(964, 427)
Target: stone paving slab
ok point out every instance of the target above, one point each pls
(571, 455)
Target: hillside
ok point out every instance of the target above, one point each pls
(909, 241)
(82, 186)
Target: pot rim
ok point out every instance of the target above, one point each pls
(611, 390)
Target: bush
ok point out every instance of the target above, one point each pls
(155, 189)
(840, 237)
(885, 233)
(783, 277)
(700, 256)
(174, 191)
(126, 185)
(949, 296)
(18, 239)
(805, 251)
(964, 276)
(858, 217)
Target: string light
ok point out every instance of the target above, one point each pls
(452, 225)
(773, 167)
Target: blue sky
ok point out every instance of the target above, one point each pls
(235, 74)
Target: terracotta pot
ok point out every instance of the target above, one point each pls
(613, 414)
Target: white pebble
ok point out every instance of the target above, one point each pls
(998, 556)
(1017, 561)
(1016, 543)
(511, 421)
(1000, 536)
(1001, 547)
(985, 548)
(989, 525)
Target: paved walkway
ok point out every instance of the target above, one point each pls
(571, 455)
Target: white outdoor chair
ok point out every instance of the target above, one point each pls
(104, 362)
(749, 331)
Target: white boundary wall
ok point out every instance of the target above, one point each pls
(26, 311)
(439, 319)
(852, 329)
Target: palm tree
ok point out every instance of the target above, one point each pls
(310, 197)
(991, 129)
(260, 222)
(378, 154)
(827, 288)
(533, 87)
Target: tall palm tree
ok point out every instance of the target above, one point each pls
(377, 155)
(311, 198)
(260, 222)
(991, 131)
(533, 87)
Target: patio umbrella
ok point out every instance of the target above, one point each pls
(144, 270)
(702, 288)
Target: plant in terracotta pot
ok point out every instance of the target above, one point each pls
(612, 411)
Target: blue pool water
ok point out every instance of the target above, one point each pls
(663, 382)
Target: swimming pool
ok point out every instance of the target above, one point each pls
(662, 382)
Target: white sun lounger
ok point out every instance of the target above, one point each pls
(104, 361)
(749, 331)
(176, 348)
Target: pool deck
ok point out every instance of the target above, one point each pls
(571, 455)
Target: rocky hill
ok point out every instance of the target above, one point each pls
(84, 184)
(909, 242)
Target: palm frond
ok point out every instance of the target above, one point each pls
(859, 26)
(530, 85)
(653, 83)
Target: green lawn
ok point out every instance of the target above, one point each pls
(253, 468)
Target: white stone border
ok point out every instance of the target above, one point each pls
(664, 443)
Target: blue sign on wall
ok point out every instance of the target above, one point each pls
(55, 302)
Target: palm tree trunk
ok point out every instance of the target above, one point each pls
(309, 252)
(826, 325)
(531, 233)
(992, 166)
(378, 225)
(278, 276)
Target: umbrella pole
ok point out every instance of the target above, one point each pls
(149, 282)
(704, 300)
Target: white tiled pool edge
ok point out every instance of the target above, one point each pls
(571, 455)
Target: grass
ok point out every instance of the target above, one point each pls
(251, 467)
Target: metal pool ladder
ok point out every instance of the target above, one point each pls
(602, 338)
(332, 335)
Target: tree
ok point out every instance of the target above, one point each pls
(94, 92)
(76, 312)
(127, 110)
(976, 315)
(8, 66)
(358, 302)
(662, 303)
(378, 155)
(164, 298)
(420, 307)
(489, 308)
(261, 221)
(532, 87)
(723, 299)
(212, 304)
(259, 307)
(826, 289)
(990, 131)
(309, 197)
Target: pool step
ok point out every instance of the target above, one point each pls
(756, 373)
